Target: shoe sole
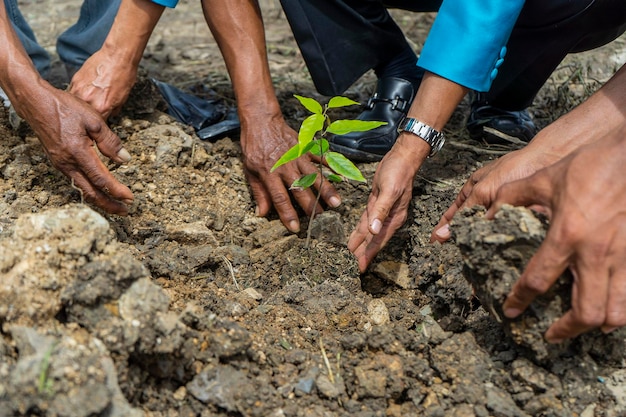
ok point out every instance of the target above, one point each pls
(356, 155)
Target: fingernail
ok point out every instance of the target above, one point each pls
(124, 155)
(294, 226)
(554, 341)
(443, 232)
(256, 211)
(608, 330)
(376, 226)
(128, 201)
(511, 312)
(334, 201)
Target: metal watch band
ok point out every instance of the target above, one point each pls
(431, 136)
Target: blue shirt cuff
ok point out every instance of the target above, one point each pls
(166, 3)
(467, 42)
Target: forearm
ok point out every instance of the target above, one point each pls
(131, 30)
(434, 103)
(600, 115)
(237, 26)
(18, 77)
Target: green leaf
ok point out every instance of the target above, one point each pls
(303, 182)
(309, 127)
(341, 101)
(343, 166)
(310, 104)
(342, 127)
(290, 155)
(319, 147)
(308, 147)
(334, 178)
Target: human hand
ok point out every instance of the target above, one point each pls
(106, 78)
(593, 120)
(483, 184)
(104, 81)
(68, 128)
(584, 196)
(387, 206)
(262, 145)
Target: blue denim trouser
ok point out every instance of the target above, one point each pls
(74, 45)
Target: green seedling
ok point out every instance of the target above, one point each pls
(44, 383)
(312, 139)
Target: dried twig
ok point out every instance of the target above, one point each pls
(326, 362)
(232, 271)
(82, 197)
(480, 150)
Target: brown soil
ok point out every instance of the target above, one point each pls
(192, 306)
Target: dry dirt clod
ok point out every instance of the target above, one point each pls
(495, 253)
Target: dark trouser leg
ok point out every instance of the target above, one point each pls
(543, 35)
(538, 45)
(340, 40)
(83, 39)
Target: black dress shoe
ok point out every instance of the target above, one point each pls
(389, 104)
(499, 126)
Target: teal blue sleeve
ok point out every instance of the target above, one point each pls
(166, 3)
(467, 42)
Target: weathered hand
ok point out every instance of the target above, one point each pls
(104, 81)
(68, 128)
(387, 206)
(263, 144)
(584, 195)
(595, 119)
(483, 184)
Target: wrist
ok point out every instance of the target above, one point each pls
(412, 146)
(420, 130)
(123, 53)
(562, 137)
(26, 91)
(259, 112)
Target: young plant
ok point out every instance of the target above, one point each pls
(312, 139)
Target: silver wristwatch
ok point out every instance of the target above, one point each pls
(431, 136)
